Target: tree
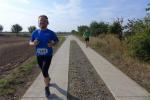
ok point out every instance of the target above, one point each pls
(73, 32)
(94, 28)
(98, 28)
(147, 9)
(139, 45)
(117, 28)
(81, 29)
(31, 28)
(16, 28)
(147, 21)
(103, 27)
(1, 28)
(137, 25)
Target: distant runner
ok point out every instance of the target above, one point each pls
(44, 39)
(86, 36)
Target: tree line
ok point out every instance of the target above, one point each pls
(135, 33)
(16, 28)
(132, 27)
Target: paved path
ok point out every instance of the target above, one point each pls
(121, 86)
(59, 75)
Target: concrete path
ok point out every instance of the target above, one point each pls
(59, 75)
(121, 86)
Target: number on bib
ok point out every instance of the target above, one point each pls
(42, 51)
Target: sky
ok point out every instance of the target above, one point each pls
(66, 15)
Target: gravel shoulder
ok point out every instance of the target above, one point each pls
(84, 82)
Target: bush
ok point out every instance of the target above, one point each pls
(16, 28)
(116, 28)
(98, 28)
(31, 28)
(82, 29)
(1, 28)
(139, 45)
(73, 32)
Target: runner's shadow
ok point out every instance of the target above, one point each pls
(54, 97)
(65, 93)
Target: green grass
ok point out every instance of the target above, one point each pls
(7, 83)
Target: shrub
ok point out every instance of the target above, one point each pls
(139, 45)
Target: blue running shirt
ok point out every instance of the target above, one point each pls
(44, 36)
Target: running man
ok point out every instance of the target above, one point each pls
(43, 40)
(86, 36)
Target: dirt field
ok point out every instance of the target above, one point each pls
(12, 39)
(18, 66)
(13, 51)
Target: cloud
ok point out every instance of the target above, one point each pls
(107, 11)
(119, 8)
(68, 14)
(15, 1)
(12, 14)
(70, 10)
(62, 16)
(65, 16)
(24, 1)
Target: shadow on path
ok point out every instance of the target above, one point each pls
(65, 93)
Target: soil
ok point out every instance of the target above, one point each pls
(13, 51)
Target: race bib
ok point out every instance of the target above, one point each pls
(42, 51)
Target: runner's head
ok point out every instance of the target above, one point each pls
(43, 21)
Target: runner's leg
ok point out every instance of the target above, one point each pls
(45, 69)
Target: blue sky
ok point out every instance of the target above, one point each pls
(65, 15)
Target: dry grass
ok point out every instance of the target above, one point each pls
(116, 52)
